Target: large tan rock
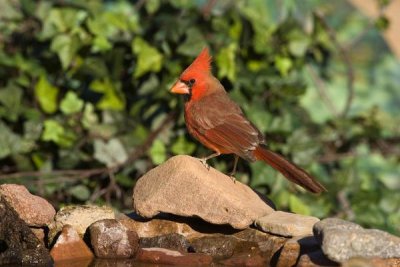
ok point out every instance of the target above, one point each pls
(34, 210)
(184, 186)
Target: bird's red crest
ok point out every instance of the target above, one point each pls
(202, 63)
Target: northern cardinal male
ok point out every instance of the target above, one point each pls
(219, 123)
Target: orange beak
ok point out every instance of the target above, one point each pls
(180, 88)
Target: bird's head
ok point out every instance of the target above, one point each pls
(193, 81)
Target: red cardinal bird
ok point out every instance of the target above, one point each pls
(219, 123)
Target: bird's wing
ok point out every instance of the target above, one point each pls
(222, 122)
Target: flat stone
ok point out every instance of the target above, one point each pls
(169, 241)
(252, 235)
(286, 224)
(18, 245)
(34, 210)
(147, 228)
(171, 257)
(184, 186)
(112, 239)
(70, 247)
(80, 217)
(217, 246)
(341, 240)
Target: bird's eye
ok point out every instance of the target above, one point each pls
(192, 81)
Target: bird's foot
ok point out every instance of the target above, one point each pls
(204, 162)
(233, 178)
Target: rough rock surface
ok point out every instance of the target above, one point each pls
(294, 248)
(80, 217)
(40, 234)
(341, 240)
(34, 210)
(271, 248)
(218, 246)
(184, 186)
(70, 246)
(160, 226)
(170, 241)
(287, 224)
(245, 259)
(372, 262)
(171, 257)
(112, 239)
(18, 245)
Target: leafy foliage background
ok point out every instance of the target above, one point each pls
(85, 108)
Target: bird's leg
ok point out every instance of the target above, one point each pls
(204, 160)
(233, 172)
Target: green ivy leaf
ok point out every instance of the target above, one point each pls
(158, 152)
(52, 131)
(297, 205)
(183, 146)
(193, 43)
(65, 46)
(46, 94)
(299, 47)
(101, 44)
(55, 132)
(226, 62)
(112, 99)
(10, 98)
(148, 57)
(71, 103)
(81, 192)
(89, 118)
(152, 6)
(11, 143)
(283, 64)
(111, 153)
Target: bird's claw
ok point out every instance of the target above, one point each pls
(232, 177)
(204, 162)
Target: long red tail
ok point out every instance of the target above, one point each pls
(289, 170)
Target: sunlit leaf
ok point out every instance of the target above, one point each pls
(111, 99)
(158, 152)
(54, 131)
(65, 46)
(149, 59)
(71, 103)
(89, 118)
(182, 146)
(298, 206)
(46, 94)
(283, 64)
(152, 6)
(226, 62)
